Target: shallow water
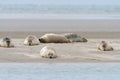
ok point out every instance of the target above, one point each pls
(59, 71)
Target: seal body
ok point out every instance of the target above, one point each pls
(48, 52)
(53, 38)
(75, 37)
(104, 46)
(31, 40)
(6, 42)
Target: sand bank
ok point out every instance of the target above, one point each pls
(68, 52)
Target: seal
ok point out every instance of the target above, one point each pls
(104, 46)
(73, 37)
(48, 52)
(6, 42)
(54, 38)
(31, 40)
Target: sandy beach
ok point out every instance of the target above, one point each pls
(67, 52)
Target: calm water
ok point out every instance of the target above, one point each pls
(59, 71)
(68, 9)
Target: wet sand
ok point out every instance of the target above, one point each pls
(62, 25)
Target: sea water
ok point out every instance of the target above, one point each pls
(60, 9)
(30, 15)
(59, 71)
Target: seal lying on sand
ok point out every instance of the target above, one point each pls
(75, 37)
(53, 38)
(6, 42)
(104, 46)
(31, 40)
(48, 52)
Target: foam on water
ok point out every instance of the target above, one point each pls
(59, 71)
(59, 16)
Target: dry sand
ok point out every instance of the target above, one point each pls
(67, 52)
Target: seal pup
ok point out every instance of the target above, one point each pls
(6, 42)
(104, 46)
(48, 52)
(31, 40)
